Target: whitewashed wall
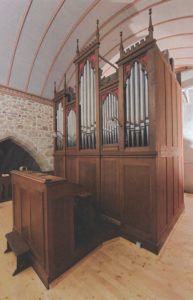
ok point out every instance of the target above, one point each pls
(188, 142)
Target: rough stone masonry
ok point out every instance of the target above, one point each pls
(29, 124)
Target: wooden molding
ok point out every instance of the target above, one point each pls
(17, 93)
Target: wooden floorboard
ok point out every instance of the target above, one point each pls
(117, 270)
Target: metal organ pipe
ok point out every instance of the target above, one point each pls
(59, 126)
(131, 100)
(115, 113)
(81, 110)
(85, 107)
(108, 123)
(109, 117)
(146, 109)
(104, 124)
(142, 105)
(136, 80)
(71, 129)
(112, 113)
(88, 107)
(136, 104)
(127, 104)
(92, 108)
(57, 118)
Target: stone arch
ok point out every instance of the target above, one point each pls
(29, 147)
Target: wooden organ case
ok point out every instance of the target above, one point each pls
(123, 139)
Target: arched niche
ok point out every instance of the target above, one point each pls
(13, 156)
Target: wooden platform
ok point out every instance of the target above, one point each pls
(117, 270)
(20, 248)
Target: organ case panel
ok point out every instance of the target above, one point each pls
(59, 164)
(169, 146)
(71, 168)
(88, 172)
(138, 194)
(110, 187)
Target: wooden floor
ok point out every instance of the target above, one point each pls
(116, 270)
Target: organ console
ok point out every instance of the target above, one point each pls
(55, 222)
(123, 138)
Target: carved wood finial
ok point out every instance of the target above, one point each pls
(65, 85)
(54, 88)
(77, 46)
(150, 28)
(97, 30)
(121, 49)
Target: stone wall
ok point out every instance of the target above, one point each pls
(28, 121)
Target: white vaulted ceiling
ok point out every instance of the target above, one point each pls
(38, 37)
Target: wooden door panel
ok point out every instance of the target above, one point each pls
(110, 195)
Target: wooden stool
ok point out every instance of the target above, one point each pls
(21, 249)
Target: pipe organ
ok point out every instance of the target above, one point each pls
(123, 139)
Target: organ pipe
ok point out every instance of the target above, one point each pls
(71, 129)
(59, 126)
(110, 119)
(81, 111)
(88, 107)
(142, 106)
(136, 105)
(131, 102)
(146, 110)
